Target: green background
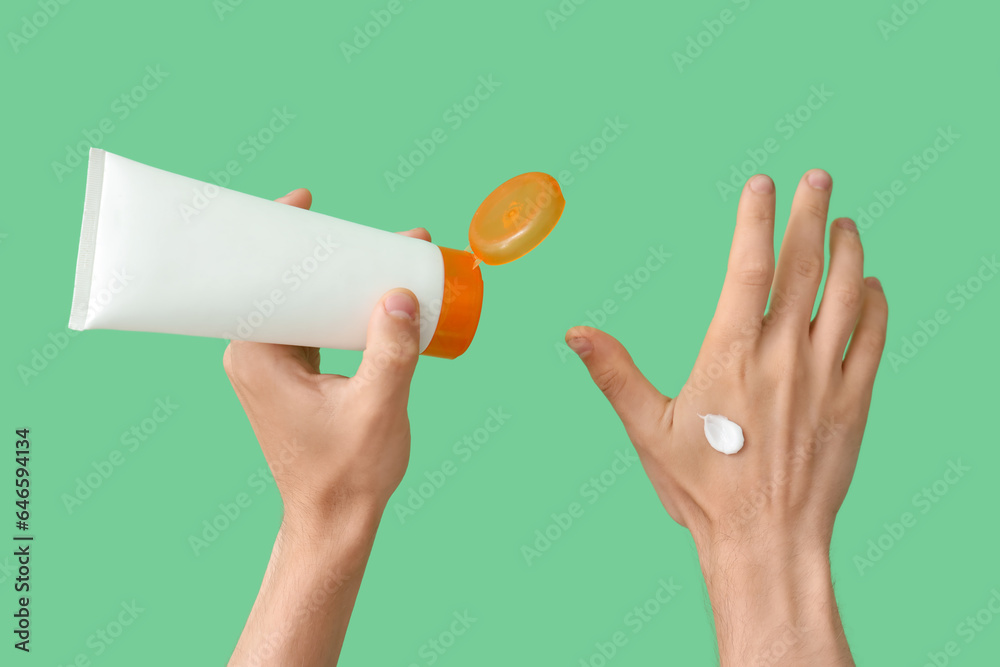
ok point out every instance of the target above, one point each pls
(655, 185)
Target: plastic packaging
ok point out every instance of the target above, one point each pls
(164, 253)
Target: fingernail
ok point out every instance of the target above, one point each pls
(874, 283)
(400, 304)
(581, 346)
(761, 184)
(848, 224)
(819, 179)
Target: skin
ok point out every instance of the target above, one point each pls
(338, 448)
(762, 519)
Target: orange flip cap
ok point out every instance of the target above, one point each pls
(509, 224)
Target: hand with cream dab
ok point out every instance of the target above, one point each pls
(337, 447)
(800, 388)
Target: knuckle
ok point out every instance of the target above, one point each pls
(748, 329)
(227, 361)
(789, 368)
(808, 266)
(754, 274)
(817, 209)
(874, 341)
(786, 371)
(247, 371)
(761, 216)
(752, 328)
(735, 335)
(611, 382)
(396, 357)
(849, 297)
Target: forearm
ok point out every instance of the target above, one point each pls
(300, 616)
(773, 605)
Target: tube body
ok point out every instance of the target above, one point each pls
(165, 253)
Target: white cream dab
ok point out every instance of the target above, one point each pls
(724, 436)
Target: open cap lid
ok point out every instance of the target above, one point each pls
(515, 218)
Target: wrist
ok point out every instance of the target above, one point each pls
(772, 595)
(765, 551)
(343, 531)
(773, 576)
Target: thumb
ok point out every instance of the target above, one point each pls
(632, 396)
(393, 345)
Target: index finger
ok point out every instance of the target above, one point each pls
(751, 262)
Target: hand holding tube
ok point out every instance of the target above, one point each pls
(337, 447)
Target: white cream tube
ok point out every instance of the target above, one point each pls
(247, 268)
